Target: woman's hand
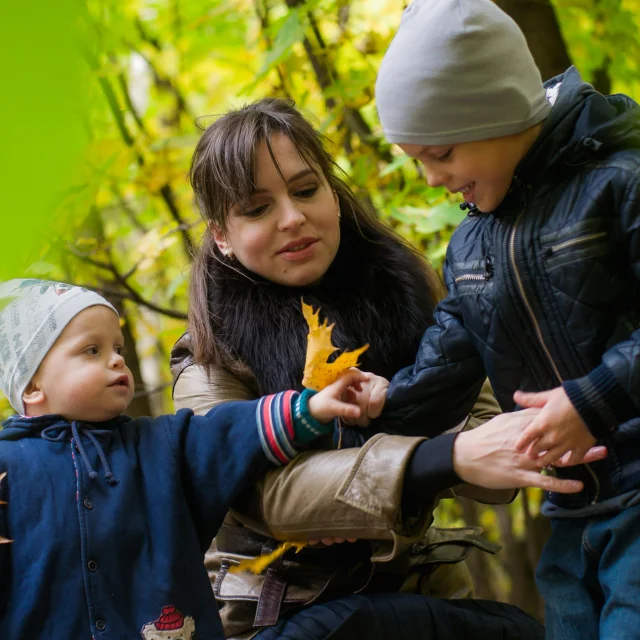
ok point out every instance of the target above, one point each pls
(370, 396)
(487, 457)
(327, 542)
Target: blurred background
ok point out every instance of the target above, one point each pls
(103, 102)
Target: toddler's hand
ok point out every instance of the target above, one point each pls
(555, 431)
(334, 401)
(370, 396)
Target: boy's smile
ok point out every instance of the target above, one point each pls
(482, 171)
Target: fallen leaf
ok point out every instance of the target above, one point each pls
(259, 564)
(318, 373)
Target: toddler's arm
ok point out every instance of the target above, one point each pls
(222, 452)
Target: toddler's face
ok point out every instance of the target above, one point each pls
(481, 171)
(84, 375)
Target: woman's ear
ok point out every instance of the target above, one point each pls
(337, 201)
(220, 240)
(33, 395)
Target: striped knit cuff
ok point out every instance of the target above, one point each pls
(307, 428)
(601, 401)
(274, 417)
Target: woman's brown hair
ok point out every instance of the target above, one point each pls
(222, 175)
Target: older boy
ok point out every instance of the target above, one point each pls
(543, 280)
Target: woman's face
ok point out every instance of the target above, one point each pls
(290, 231)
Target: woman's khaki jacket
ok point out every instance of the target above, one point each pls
(348, 493)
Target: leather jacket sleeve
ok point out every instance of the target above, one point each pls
(485, 408)
(350, 493)
(201, 389)
(440, 388)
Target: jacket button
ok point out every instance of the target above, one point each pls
(87, 503)
(101, 625)
(92, 565)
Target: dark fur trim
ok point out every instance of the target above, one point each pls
(376, 292)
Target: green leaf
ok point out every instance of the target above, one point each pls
(399, 162)
(291, 31)
(447, 214)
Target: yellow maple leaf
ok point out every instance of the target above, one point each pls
(259, 564)
(318, 373)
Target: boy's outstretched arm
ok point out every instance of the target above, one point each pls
(439, 389)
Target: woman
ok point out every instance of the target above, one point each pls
(283, 226)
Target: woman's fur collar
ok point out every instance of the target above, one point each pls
(376, 292)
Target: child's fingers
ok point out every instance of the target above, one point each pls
(348, 379)
(530, 400)
(532, 433)
(344, 410)
(550, 456)
(377, 399)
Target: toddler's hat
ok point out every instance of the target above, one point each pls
(33, 314)
(458, 71)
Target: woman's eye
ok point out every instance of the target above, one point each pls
(255, 213)
(306, 193)
(446, 155)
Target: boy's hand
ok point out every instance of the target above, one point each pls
(556, 430)
(335, 400)
(370, 396)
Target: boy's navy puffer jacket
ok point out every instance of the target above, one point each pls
(545, 291)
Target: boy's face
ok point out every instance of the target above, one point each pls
(84, 376)
(481, 171)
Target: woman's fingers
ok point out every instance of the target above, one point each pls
(329, 541)
(551, 456)
(549, 483)
(594, 454)
(532, 433)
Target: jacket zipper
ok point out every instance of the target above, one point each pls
(574, 241)
(479, 277)
(536, 325)
(471, 276)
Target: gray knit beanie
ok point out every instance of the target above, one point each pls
(458, 71)
(33, 314)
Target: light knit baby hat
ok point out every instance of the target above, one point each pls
(33, 314)
(458, 71)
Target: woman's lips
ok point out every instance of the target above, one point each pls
(298, 251)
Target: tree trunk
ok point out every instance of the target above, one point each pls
(516, 559)
(478, 561)
(540, 26)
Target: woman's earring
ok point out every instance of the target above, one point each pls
(339, 214)
(229, 254)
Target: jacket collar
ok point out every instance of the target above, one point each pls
(582, 123)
